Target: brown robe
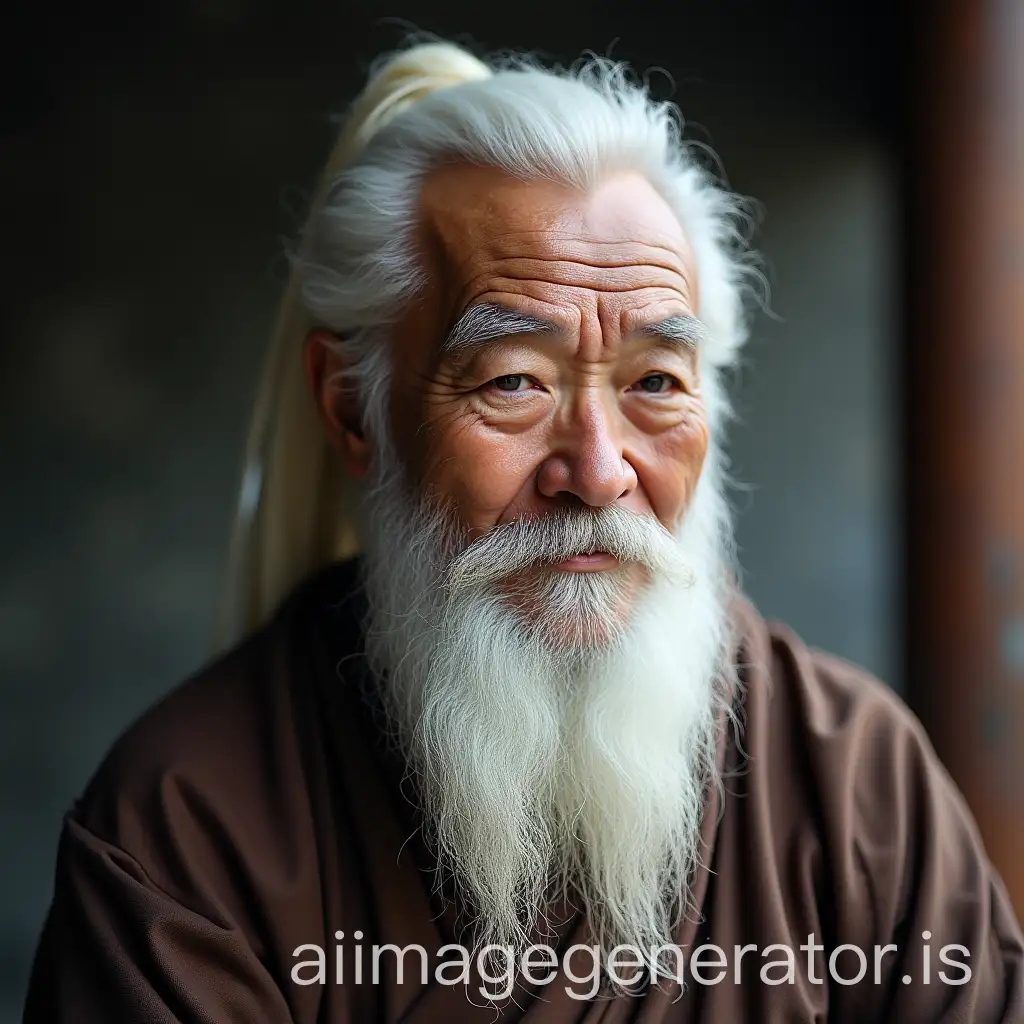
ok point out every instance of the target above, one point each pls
(255, 810)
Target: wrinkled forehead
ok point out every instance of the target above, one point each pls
(479, 223)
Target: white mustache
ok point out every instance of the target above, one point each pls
(548, 539)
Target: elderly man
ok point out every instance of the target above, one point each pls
(529, 754)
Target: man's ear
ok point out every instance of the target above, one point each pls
(336, 398)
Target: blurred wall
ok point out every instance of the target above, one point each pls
(815, 452)
(149, 171)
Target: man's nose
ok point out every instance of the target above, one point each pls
(587, 462)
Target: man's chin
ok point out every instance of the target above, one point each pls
(583, 634)
(583, 609)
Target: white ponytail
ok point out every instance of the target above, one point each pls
(292, 510)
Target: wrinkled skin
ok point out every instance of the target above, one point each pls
(595, 413)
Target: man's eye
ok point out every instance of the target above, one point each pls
(512, 382)
(655, 382)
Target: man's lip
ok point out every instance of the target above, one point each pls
(596, 562)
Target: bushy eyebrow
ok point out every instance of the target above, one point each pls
(682, 330)
(488, 322)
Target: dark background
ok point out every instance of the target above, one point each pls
(154, 156)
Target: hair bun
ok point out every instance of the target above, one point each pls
(400, 81)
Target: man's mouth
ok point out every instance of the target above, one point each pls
(596, 561)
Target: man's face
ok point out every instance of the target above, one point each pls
(601, 409)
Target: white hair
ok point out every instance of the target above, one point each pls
(357, 267)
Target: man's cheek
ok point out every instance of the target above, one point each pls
(668, 476)
(486, 486)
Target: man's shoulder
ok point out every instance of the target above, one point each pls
(822, 733)
(828, 740)
(826, 696)
(204, 731)
(222, 759)
(197, 751)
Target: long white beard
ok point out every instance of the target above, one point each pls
(554, 751)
